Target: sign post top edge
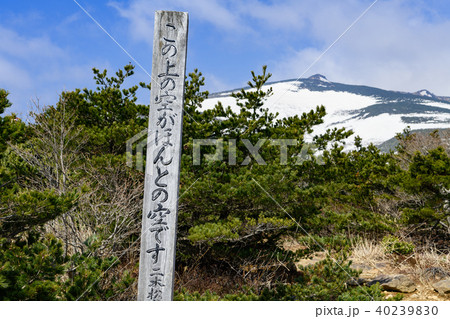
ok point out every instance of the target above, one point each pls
(165, 11)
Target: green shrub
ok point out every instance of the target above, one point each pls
(29, 268)
(393, 245)
(324, 281)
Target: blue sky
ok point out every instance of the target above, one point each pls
(50, 46)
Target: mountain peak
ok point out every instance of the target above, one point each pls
(376, 115)
(318, 77)
(425, 93)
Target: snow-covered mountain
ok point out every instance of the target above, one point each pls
(374, 114)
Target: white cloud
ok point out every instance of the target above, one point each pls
(13, 75)
(35, 68)
(394, 47)
(140, 13)
(213, 12)
(398, 44)
(15, 45)
(215, 83)
(140, 17)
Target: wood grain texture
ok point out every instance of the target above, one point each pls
(162, 173)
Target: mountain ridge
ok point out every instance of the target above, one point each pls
(315, 78)
(373, 113)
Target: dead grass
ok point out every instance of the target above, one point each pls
(426, 266)
(431, 266)
(368, 252)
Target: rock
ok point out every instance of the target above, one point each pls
(433, 298)
(360, 267)
(314, 259)
(435, 273)
(398, 283)
(356, 282)
(368, 272)
(380, 265)
(443, 286)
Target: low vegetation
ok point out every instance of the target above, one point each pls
(70, 207)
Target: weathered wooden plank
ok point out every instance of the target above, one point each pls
(162, 173)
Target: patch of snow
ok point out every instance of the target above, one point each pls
(425, 93)
(319, 77)
(437, 104)
(287, 102)
(289, 99)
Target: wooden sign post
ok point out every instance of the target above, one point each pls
(162, 172)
